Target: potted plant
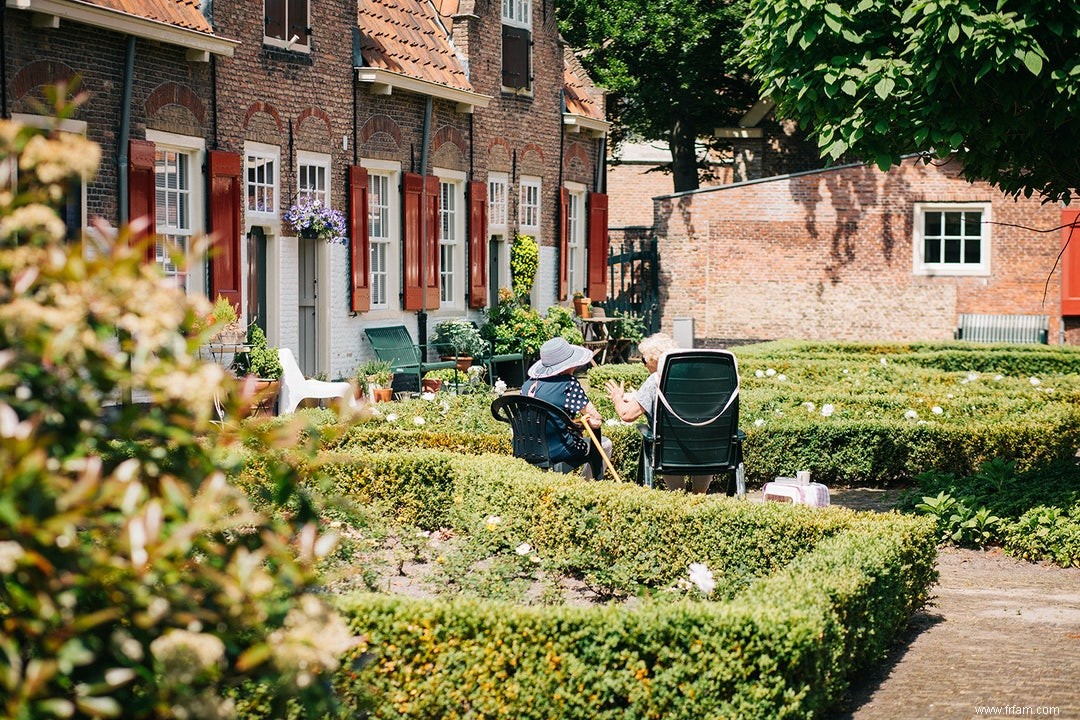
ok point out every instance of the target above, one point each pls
(263, 362)
(227, 329)
(582, 305)
(459, 339)
(432, 381)
(374, 378)
(312, 219)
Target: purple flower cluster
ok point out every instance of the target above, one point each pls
(311, 217)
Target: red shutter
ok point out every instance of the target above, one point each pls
(359, 243)
(274, 19)
(598, 246)
(564, 241)
(142, 198)
(421, 242)
(225, 180)
(1070, 263)
(478, 243)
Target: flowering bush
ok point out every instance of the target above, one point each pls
(138, 582)
(524, 261)
(310, 218)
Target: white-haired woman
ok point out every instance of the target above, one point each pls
(631, 406)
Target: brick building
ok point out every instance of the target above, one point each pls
(852, 253)
(442, 130)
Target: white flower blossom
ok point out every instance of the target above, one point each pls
(936, 410)
(523, 549)
(911, 415)
(186, 655)
(418, 420)
(500, 386)
(1035, 381)
(884, 361)
(845, 371)
(770, 372)
(827, 410)
(492, 521)
(759, 373)
(612, 421)
(759, 422)
(427, 396)
(391, 417)
(702, 577)
(782, 377)
(810, 407)
(10, 552)
(999, 378)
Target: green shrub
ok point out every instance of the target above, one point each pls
(1046, 533)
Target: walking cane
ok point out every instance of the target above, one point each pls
(596, 442)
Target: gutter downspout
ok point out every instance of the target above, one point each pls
(421, 315)
(125, 132)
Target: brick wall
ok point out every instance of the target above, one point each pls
(168, 92)
(828, 255)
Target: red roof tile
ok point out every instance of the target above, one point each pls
(406, 37)
(580, 93)
(180, 13)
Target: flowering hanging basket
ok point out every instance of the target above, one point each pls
(312, 219)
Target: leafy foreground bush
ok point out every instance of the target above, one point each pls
(137, 582)
(818, 594)
(1034, 515)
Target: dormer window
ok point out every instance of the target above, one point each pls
(517, 44)
(286, 24)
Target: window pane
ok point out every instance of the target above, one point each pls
(972, 251)
(932, 250)
(973, 224)
(952, 250)
(952, 223)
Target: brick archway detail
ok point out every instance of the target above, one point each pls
(171, 93)
(318, 113)
(449, 134)
(38, 73)
(380, 123)
(576, 152)
(267, 108)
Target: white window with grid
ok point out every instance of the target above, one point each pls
(529, 207)
(261, 163)
(952, 239)
(451, 233)
(312, 173)
(517, 12)
(498, 197)
(575, 240)
(383, 232)
(178, 184)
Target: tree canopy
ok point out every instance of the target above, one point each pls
(996, 83)
(670, 68)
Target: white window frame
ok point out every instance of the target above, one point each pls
(922, 267)
(451, 238)
(529, 204)
(308, 163)
(517, 13)
(498, 202)
(75, 127)
(303, 42)
(195, 150)
(576, 248)
(390, 241)
(255, 152)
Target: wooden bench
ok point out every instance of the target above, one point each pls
(394, 345)
(1003, 328)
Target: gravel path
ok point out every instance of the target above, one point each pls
(1000, 639)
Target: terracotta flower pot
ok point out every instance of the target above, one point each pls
(583, 307)
(464, 362)
(383, 394)
(266, 395)
(431, 384)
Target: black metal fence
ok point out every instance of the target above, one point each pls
(634, 281)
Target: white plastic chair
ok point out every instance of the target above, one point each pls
(295, 387)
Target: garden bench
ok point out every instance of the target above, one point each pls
(1003, 328)
(394, 345)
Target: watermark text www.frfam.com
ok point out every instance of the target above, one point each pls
(1017, 710)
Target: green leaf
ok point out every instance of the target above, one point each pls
(954, 33)
(1033, 62)
(884, 87)
(849, 87)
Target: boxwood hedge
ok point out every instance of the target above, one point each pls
(824, 593)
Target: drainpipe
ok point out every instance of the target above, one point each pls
(421, 315)
(125, 131)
